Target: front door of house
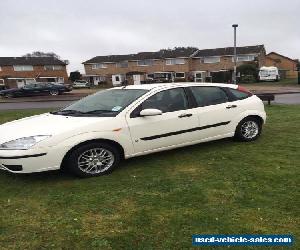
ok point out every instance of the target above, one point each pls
(199, 76)
(136, 79)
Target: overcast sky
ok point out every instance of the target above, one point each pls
(78, 30)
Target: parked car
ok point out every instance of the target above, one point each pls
(90, 137)
(34, 89)
(82, 84)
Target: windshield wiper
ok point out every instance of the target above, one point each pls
(99, 111)
(66, 112)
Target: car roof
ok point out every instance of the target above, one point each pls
(178, 84)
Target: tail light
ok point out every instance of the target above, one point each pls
(244, 90)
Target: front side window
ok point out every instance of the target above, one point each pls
(104, 103)
(23, 68)
(167, 101)
(206, 96)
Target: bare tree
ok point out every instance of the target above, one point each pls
(42, 54)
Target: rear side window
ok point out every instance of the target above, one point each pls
(206, 96)
(239, 95)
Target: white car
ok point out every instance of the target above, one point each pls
(91, 136)
(81, 84)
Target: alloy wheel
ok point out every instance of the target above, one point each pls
(249, 129)
(95, 160)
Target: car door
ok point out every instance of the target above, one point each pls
(214, 110)
(28, 90)
(173, 127)
(39, 89)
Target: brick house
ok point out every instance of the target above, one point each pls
(18, 71)
(287, 66)
(211, 62)
(178, 64)
(137, 67)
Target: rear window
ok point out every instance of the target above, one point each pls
(239, 95)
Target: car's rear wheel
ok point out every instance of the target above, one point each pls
(249, 129)
(54, 92)
(93, 159)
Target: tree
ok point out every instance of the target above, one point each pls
(75, 75)
(42, 54)
(248, 72)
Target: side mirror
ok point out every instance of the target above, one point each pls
(150, 112)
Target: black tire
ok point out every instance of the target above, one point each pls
(91, 168)
(254, 129)
(54, 92)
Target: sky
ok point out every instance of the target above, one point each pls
(78, 30)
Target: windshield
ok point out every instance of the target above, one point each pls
(104, 103)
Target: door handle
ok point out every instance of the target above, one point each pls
(231, 106)
(184, 115)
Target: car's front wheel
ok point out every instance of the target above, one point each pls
(249, 129)
(93, 159)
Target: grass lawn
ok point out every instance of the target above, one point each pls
(159, 201)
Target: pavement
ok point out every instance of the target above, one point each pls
(287, 98)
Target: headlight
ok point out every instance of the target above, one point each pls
(24, 143)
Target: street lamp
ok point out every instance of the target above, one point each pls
(234, 52)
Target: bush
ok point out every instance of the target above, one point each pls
(248, 72)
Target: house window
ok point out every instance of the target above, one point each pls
(211, 59)
(53, 67)
(99, 66)
(23, 68)
(147, 62)
(123, 64)
(174, 61)
(179, 75)
(244, 58)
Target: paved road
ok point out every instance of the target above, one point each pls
(34, 105)
(282, 99)
(288, 99)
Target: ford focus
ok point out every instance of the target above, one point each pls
(91, 136)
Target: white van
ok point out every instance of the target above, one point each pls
(117, 80)
(269, 74)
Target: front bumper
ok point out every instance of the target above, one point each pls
(29, 161)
